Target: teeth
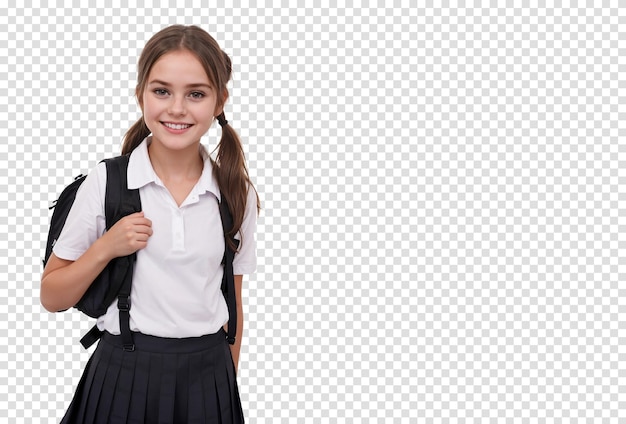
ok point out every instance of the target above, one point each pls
(176, 126)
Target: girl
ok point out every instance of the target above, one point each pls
(182, 369)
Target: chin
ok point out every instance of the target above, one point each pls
(175, 143)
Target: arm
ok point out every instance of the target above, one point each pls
(64, 282)
(236, 348)
(244, 263)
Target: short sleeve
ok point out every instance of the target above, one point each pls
(85, 222)
(245, 258)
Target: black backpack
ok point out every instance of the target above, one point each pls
(116, 279)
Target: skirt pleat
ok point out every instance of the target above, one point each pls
(223, 396)
(168, 391)
(195, 400)
(154, 388)
(89, 401)
(109, 388)
(211, 403)
(138, 406)
(181, 405)
(75, 412)
(163, 381)
(231, 379)
(121, 399)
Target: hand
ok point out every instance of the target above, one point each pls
(128, 235)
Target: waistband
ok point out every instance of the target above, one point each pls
(147, 343)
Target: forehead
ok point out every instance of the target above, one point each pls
(179, 67)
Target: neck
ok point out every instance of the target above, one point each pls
(176, 164)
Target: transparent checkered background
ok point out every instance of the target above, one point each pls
(444, 210)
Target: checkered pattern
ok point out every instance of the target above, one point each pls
(443, 191)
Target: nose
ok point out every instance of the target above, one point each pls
(177, 106)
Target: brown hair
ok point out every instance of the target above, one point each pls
(229, 167)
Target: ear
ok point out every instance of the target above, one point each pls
(139, 98)
(219, 107)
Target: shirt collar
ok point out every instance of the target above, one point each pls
(141, 172)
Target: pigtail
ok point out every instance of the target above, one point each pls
(134, 136)
(231, 170)
(232, 175)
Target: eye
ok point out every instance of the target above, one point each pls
(160, 92)
(196, 95)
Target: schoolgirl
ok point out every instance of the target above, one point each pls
(182, 369)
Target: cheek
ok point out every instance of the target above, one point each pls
(149, 108)
(150, 114)
(202, 112)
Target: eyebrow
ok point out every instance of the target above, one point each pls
(201, 84)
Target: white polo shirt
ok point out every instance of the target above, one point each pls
(176, 285)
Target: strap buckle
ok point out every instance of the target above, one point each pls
(91, 337)
(123, 303)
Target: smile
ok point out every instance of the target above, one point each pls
(176, 126)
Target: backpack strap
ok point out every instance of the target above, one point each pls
(91, 337)
(228, 280)
(119, 202)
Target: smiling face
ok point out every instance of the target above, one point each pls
(178, 101)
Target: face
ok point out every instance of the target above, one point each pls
(179, 102)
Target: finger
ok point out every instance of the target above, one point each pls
(136, 225)
(142, 221)
(142, 238)
(144, 234)
(138, 216)
(143, 229)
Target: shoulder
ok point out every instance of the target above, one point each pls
(252, 195)
(91, 194)
(95, 183)
(99, 171)
(251, 208)
(85, 221)
(251, 211)
(245, 259)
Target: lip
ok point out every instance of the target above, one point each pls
(174, 131)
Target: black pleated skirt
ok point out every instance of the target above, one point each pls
(190, 380)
